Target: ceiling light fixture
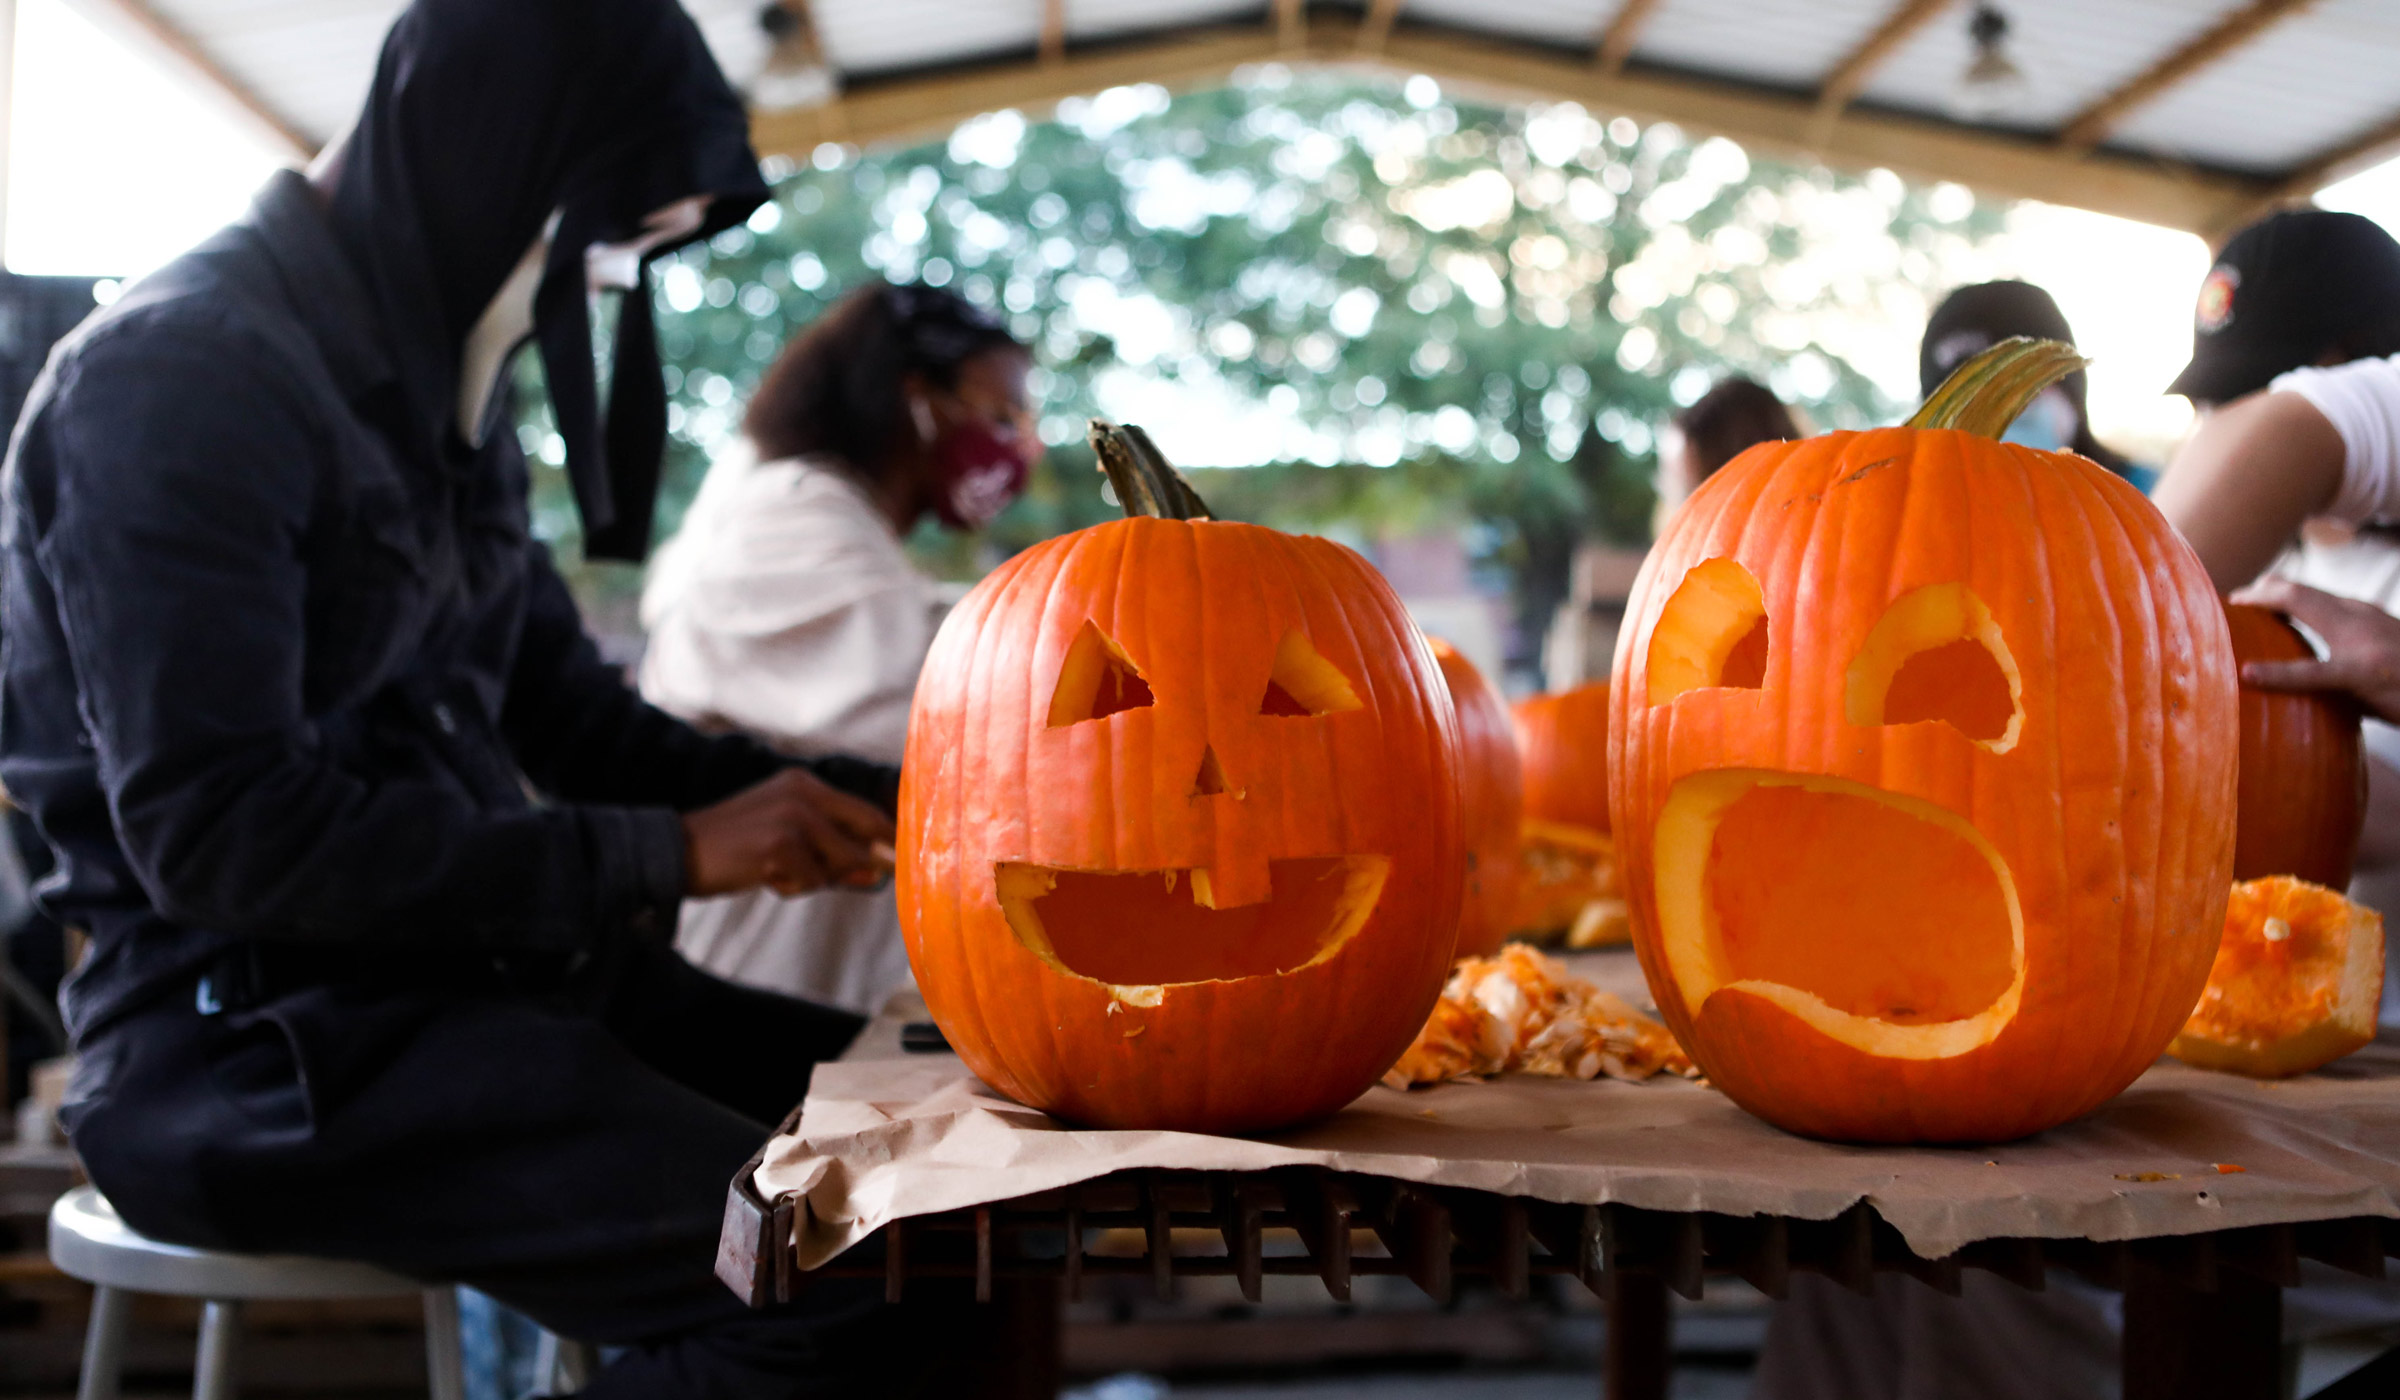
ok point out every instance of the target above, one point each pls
(1992, 85)
(796, 73)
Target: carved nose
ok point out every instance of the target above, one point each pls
(1210, 780)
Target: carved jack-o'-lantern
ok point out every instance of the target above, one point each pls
(1923, 772)
(1179, 832)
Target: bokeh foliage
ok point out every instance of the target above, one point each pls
(1443, 312)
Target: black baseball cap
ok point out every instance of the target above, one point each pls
(2284, 291)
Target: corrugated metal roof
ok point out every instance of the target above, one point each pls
(2308, 85)
(2292, 92)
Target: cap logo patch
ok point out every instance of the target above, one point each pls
(2215, 311)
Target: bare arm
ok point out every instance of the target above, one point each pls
(2362, 646)
(2241, 486)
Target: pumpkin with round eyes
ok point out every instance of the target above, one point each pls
(1923, 774)
(1179, 819)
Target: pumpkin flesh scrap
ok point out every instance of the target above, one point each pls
(2295, 984)
(1885, 922)
(1156, 928)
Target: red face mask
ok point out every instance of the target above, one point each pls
(978, 470)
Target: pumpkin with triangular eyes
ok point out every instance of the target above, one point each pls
(1179, 839)
(1952, 863)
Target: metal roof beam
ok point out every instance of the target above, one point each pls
(1859, 66)
(180, 48)
(1376, 29)
(1765, 121)
(2089, 127)
(1623, 32)
(1054, 31)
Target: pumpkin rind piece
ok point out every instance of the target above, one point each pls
(2295, 985)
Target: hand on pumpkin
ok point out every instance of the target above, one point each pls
(791, 834)
(2362, 646)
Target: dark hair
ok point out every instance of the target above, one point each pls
(1735, 415)
(1973, 319)
(836, 388)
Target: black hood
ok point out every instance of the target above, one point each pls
(485, 117)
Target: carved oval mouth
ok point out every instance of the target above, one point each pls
(1882, 920)
(1151, 928)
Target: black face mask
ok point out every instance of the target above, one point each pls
(485, 117)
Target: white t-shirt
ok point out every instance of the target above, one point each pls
(2362, 401)
(785, 607)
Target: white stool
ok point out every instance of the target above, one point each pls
(89, 1242)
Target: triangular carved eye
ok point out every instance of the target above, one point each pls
(1097, 680)
(1304, 682)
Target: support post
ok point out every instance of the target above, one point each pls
(2185, 1344)
(213, 1374)
(1640, 1342)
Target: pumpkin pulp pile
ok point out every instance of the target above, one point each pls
(2295, 984)
(1523, 1013)
(1179, 822)
(1923, 772)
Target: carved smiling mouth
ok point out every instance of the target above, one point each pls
(1150, 928)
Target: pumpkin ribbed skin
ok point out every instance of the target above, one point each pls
(1491, 793)
(2111, 808)
(1563, 739)
(1199, 607)
(2304, 774)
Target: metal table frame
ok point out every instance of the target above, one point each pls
(2203, 1312)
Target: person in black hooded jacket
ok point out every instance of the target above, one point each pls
(377, 858)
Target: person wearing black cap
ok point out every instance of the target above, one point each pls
(2297, 465)
(1972, 320)
(786, 605)
(2292, 339)
(377, 858)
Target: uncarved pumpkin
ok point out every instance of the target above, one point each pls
(2304, 774)
(2295, 984)
(1491, 801)
(1178, 835)
(1922, 762)
(1564, 740)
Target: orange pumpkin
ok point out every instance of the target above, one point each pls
(1949, 860)
(2304, 774)
(1491, 803)
(2295, 984)
(1179, 837)
(1564, 741)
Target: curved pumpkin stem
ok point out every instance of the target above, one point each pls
(1985, 395)
(1146, 482)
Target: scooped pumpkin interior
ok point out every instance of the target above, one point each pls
(2296, 982)
(1150, 928)
(1885, 922)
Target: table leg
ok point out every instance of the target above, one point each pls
(1639, 1352)
(1022, 1341)
(2183, 1344)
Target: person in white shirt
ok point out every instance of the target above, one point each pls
(786, 606)
(2298, 472)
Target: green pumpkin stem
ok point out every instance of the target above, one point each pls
(1985, 395)
(1146, 482)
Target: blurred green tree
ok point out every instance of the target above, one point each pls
(1386, 305)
